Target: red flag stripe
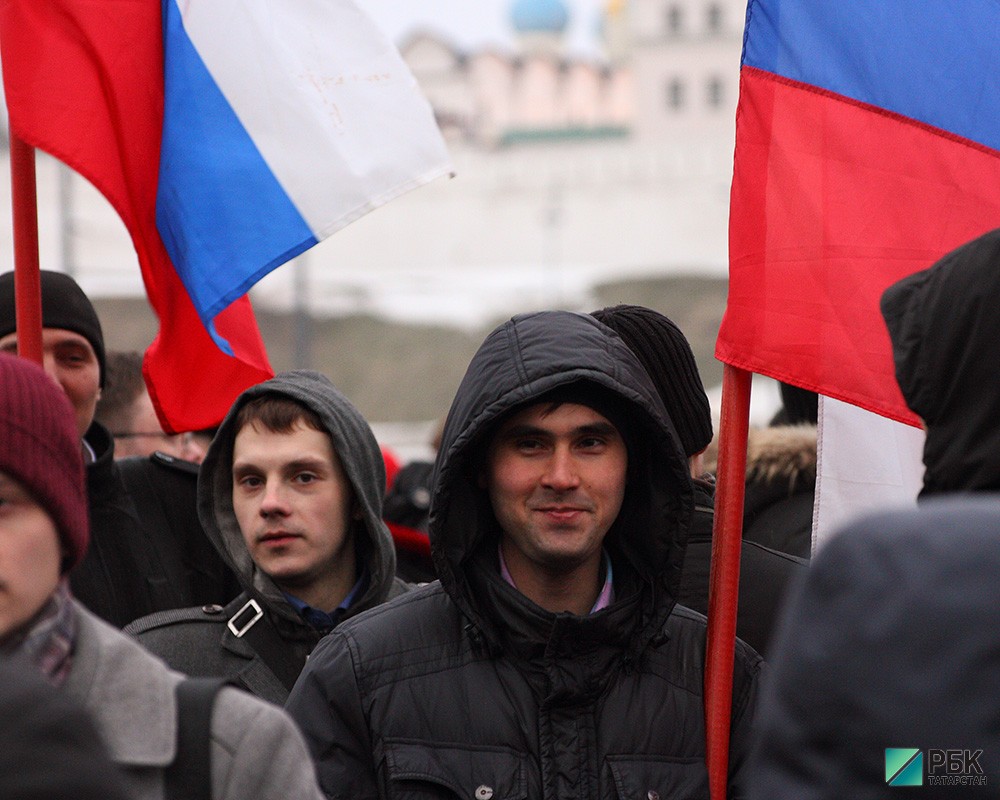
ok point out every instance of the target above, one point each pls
(832, 201)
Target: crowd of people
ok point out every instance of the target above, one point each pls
(256, 612)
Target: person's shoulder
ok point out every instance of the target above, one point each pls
(419, 601)
(266, 756)
(177, 619)
(193, 640)
(237, 710)
(686, 645)
(97, 636)
(424, 624)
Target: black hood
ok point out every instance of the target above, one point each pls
(944, 323)
(520, 361)
(892, 640)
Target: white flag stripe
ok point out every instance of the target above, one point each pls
(326, 98)
(865, 463)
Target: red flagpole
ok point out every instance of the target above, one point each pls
(725, 575)
(27, 281)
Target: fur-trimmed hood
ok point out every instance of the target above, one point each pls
(785, 453)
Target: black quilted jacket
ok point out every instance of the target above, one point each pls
(465, 688)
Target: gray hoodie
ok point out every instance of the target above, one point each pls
(200, 641)
(359, 453)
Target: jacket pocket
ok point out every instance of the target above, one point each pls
(422, 770)
(663, 778)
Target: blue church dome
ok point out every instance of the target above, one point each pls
(539, 16)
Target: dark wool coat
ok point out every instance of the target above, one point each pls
(781, 488)
(117, 578)
(147, 551)
(465, 688)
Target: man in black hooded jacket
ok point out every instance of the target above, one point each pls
(550, 660)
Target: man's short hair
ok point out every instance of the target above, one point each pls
(123, 386)
(277, 413)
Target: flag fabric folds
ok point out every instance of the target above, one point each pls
(865, 149)
(188, 117)
(284, 122)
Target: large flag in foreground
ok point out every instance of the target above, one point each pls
(229, 135)
(866, 148)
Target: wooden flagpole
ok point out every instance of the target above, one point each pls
(27, 280)
(725, 575)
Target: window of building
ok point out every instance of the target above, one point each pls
(713, 18)
(674, 19)
(675, 94)
(715, 92)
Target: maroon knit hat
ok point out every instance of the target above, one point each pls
(40, 449)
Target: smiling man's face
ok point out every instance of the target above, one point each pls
(556, 479)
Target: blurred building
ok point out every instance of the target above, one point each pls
(667, 67)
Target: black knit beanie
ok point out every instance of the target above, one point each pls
(40, 449)
(666, 355)
(64, 305)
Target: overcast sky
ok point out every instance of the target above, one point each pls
(471, 24)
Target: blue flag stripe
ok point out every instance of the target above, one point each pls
(223, 217)
(917, 60)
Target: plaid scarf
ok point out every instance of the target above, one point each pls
(48, 640)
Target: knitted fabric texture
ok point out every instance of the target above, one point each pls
(40, 449)
(666, 355)
(64, 305)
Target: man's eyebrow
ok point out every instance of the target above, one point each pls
(597, 429)
(517, 431)
(305, 462)
(590, 429)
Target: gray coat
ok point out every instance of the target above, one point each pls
(257, 752)
(199, 641)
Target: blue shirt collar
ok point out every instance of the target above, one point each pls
(327, 621)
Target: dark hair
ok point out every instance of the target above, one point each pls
(124, 383)
(277, 413)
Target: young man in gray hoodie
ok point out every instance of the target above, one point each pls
(290, 494)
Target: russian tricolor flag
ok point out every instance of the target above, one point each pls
(867, 146)
(229, 135)
(284, 121)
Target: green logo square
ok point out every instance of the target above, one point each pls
(904, 766)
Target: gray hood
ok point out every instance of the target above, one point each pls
(359, 453)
